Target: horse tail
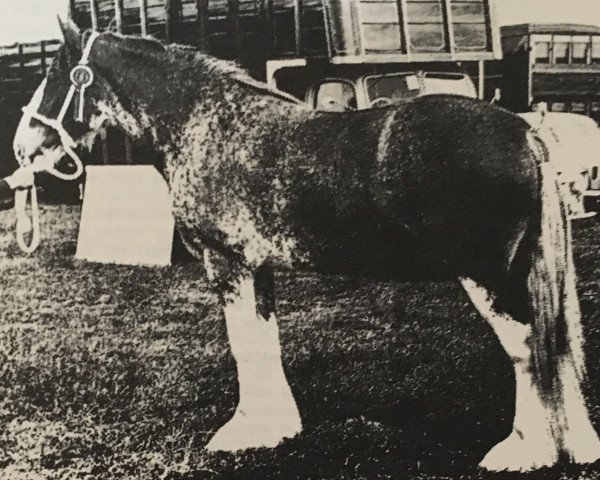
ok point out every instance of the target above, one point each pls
(556, 327)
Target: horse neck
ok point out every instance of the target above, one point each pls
(161, 96)
(149, 91)
(160, 93)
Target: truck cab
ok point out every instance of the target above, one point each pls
(337, 94)
(378, 53)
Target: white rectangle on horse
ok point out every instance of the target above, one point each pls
(126, 216)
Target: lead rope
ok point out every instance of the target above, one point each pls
(24, 223)
(81, 78)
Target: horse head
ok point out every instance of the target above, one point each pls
(75, 101)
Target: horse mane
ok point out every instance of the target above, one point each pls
(188, 56)
(231, 70)
(215, 65)
(140, 45)
(265, 89)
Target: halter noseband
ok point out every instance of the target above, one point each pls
(81, 77)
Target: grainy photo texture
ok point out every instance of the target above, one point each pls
(299, 239)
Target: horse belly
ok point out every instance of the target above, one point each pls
(433, 229)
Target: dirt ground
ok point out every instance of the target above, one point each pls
(113, 372)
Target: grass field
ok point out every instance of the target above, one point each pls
(113, 372)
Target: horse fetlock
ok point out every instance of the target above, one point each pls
(581, 444)
(267, 412)
(262, 422)
(532, 443)
(522, 452)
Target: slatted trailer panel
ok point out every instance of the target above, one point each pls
(345, 31)
(24, 65)
(554, 63)
(22, 68)
(225, 28)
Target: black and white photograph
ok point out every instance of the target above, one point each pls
(299, 239)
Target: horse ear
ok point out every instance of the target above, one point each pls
(71, 32)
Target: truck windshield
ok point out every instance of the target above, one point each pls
(404, 86)
(453, 83)
(393, 88)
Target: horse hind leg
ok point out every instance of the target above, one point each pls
(531, 443)
(266, 412)
(547, 427)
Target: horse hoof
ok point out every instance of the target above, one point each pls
(516, 454)
(246, 431)
(582, 446)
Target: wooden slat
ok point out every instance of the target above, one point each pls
(43, 57)
(104, 140)
(202, 24)
(119, 15)
(72, 9)
(233, 19)
(169, 20)
(405, 33)
(128, 150)
(21, 62)
(448, 26)
(16, 57)
(298, 26)
(14, 46)
(94, 12)
(268, 38)
(144, 17)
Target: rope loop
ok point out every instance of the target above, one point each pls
(24, 223)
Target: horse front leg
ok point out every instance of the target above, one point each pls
(266, 412)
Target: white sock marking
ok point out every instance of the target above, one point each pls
(267, 412)
(531, 444)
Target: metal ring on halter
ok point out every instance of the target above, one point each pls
(82, 76)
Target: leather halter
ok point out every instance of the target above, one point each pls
(81, 77)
